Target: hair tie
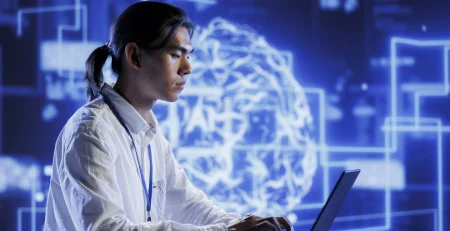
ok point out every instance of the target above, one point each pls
(106, 48)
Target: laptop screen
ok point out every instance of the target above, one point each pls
(335, 200)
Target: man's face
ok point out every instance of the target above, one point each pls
(163, 72)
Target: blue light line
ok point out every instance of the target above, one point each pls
(418, 129)
(210, 2)
(446, 64)
(436, 220)
(421, 43)
(416, 108)
(440, 181)
(38, 10)
(387, 190)
(1, 98)
(394, 86)
(336, 164)
(78, 8)
(19, 219)
(33, 203)
(310, 206)
(354, 149)
(413, 87)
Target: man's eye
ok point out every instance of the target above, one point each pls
(175, 56)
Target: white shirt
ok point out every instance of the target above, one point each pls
(95, 183)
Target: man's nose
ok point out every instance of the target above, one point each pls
(185, 67)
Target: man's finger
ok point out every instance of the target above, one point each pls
(265, 226)
(248, 217)
(272, 220)
(251, 217)
(242, 224)
(285, 224)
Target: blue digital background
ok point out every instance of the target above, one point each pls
(284, 95)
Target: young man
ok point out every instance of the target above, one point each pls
(113, 169)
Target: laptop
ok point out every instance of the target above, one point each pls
(335, 200)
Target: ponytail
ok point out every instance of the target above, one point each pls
(94, 74)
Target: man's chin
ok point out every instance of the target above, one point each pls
(172, 98)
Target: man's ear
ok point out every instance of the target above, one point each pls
(132, 55)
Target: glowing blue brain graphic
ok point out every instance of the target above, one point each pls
(241, 128)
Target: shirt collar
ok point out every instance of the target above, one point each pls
(130, 116)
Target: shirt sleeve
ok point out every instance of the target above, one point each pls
(91, 190)
(185, 203)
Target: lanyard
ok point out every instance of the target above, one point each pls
(148, 192)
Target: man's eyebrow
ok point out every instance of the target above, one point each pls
(180, 48)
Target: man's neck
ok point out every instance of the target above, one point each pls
(130, 94)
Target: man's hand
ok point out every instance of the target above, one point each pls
(255, 223)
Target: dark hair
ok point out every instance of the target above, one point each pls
(144, 23)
